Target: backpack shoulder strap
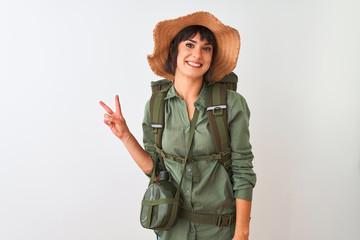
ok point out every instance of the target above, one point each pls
(159, 91)
(217, 115)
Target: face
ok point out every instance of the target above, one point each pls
(194, 58)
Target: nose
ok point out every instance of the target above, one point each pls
(197, 53)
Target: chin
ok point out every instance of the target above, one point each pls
(195, 75)
(191, 74)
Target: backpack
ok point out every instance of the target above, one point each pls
(161, 204)
(217, 115)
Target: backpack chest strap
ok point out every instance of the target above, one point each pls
(222, 157)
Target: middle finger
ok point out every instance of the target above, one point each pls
(117, 105)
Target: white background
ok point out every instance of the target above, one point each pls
(64, 176)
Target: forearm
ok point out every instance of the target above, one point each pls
(243, 209)
(140, 156)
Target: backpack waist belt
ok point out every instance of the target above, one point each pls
(213, 219)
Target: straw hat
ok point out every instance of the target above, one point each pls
(227, 38)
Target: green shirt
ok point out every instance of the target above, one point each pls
(215, 192)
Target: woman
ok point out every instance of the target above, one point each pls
(192, 51)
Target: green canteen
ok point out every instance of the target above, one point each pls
(159, 206)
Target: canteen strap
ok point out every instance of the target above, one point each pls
(177, 195)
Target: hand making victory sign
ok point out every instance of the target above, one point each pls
(118, 126)
(116, 121)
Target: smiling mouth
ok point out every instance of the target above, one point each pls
(194, 64)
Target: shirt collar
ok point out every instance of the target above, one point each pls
(202, 99)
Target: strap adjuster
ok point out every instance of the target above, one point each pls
(227, 164)
(224, 220)
(217, 110)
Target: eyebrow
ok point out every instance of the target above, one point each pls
(196, 42)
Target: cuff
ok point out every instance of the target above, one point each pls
(245, 194)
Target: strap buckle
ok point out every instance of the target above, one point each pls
(224, 220)
(183, 161)
(217, 110)
(227, 164)
(226, 153)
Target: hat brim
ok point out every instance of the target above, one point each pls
(227, 38)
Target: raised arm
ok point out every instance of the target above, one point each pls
(118, 126)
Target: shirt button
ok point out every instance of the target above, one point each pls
(189, 169)
(188, 191)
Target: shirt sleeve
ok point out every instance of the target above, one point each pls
(148, 137)
(243, 176)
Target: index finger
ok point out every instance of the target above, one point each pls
(117, 105)
(106, 107)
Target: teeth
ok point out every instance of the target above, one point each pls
(194, 64)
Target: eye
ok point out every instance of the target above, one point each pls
(208, 49)
(189, 45)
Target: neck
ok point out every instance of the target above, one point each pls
(187, 88)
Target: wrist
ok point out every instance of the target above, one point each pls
(241, 236)
(125, 137)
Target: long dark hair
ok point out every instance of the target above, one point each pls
(188, 33)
